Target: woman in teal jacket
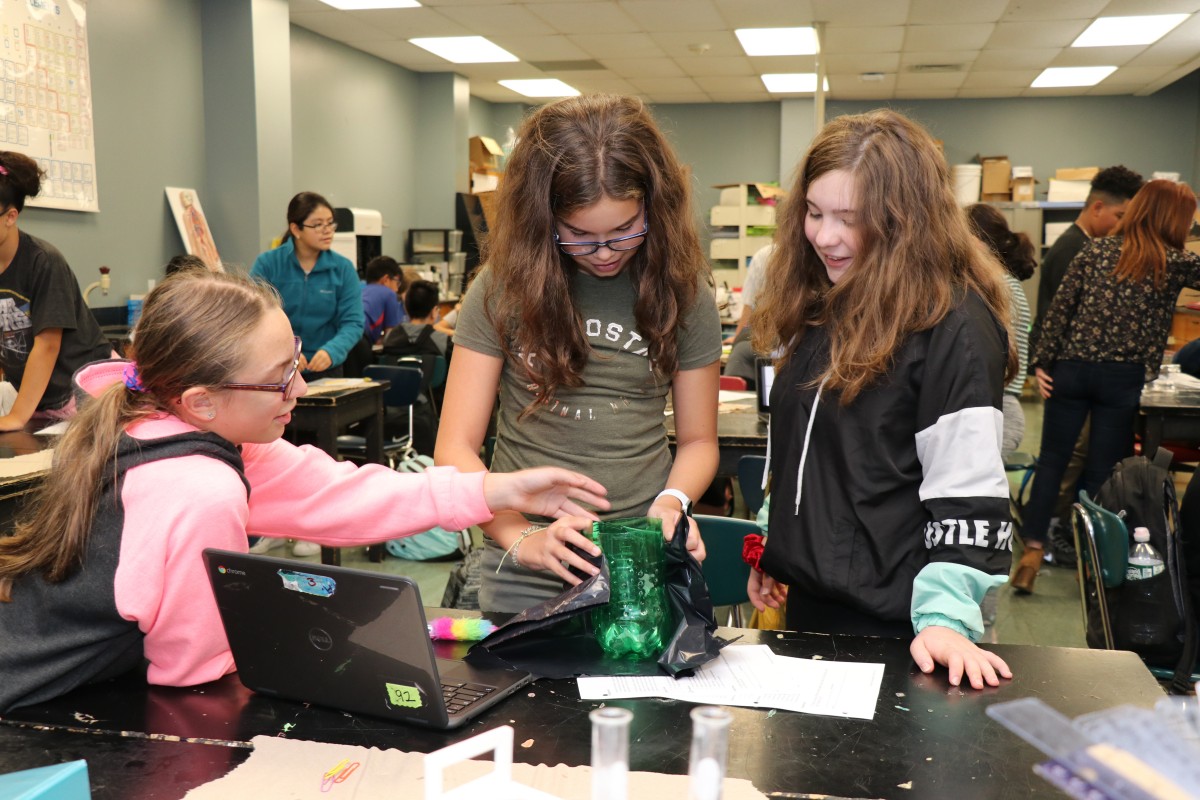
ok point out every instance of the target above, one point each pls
(319, 288)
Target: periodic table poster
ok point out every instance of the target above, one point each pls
(46, 103)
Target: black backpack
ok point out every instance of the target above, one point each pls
(1142, 492)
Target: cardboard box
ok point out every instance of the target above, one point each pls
(1075, 173)
(1061, 191)
(995, 197)
(997, 172)
(731, 193)
(1055, 230)
(1023, 189)
(485, 154)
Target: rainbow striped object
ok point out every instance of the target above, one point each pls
(458, 629)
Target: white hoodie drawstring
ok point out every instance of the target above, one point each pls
(807, 438)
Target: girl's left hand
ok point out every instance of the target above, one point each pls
(544, 492)
(959, 655)
(667, 509)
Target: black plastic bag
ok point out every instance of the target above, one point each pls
(555, 639)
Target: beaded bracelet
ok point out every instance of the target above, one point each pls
(516, 546)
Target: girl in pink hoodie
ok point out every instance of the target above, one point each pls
(178, 451)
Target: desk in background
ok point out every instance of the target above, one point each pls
(325, 414)
(15, 489)
(739, 433)
(1169, 416)
(927, 740)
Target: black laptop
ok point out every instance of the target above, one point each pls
(764, 371)
(345, 638)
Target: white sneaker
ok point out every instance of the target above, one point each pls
(265, 544)
(303, 549)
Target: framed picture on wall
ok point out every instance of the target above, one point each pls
(193, 227)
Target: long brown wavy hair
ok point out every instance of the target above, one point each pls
(569, 155)
(194, 331)
(1159, 216)
(915, 258)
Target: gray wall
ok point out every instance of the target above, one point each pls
(147, 89)
(355, 120)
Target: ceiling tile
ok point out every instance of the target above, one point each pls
(964, 57)
(864, 40)
(710, 65)
(741, 97)
(925, 94)
(1129, 8)
(1007, 79)
(852, 12)
(933, 37)
(1024, 35)
(408, 23)
(1161, 55)
(1141, 75)
(678, 97)
(1025, 10)
(502, 71)
(862, 62)
(643, 67)
(675, 15)
(610, 45)
(936, 12)
(1033, 58)
(719, 43)
(765, 13)
(498, 20)
(406, 55)
(585, 17)
(541, 48)
(597, 81)
(339, 26)
(666, 85)
(857, 90)
(969, 92)
(1096, 56)
(730, 85)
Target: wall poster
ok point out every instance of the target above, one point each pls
(193, 227)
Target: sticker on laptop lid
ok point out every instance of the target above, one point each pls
(307, 583)
(404, 696)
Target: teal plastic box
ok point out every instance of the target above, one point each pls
(67, 781)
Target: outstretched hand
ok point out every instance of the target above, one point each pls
(544, 492)
(959, 655)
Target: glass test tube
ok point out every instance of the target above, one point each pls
(710, 742)
(610, 753)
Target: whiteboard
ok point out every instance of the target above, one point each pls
(46, 97)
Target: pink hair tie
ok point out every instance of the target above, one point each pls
(3, 170)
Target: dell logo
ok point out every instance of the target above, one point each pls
(320, 639)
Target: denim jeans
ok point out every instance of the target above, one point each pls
(1107, 391)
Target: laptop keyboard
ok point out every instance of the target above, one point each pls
(459, 696)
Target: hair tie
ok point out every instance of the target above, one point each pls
(3, 170)
(133, 379)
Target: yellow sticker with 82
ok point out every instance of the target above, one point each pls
(404, 696)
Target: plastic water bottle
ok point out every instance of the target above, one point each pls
(1147, 604)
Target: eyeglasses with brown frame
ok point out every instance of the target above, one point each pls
(283, 388)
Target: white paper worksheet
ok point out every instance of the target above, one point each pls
(752, 675)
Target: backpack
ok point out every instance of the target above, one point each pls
(397, 342)
(435, 544)
(1142, 492)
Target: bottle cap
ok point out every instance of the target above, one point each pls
(1141, 534)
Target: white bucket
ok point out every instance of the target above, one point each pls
(967, 179)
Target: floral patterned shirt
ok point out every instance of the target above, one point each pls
(1096, 318)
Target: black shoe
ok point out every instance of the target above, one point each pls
(1062, 549)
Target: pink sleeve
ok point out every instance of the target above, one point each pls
(301, 492)
(174, 508)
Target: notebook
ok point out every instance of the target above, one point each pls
(764, 370)
(345, 638)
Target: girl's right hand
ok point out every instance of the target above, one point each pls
(1045, 383)
(765, 591)
(544, 492)
(548, 549)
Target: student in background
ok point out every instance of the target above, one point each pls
(889, 503)
(742, 357)
(421, 302)
(319, 288)
(1102, 339)
(1015, 252)
(595, 303)
(380, 297)
(187, 261)
(178, 451)
(46, 329)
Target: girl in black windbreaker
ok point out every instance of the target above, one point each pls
(889, 511)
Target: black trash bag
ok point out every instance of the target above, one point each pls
(555, 638)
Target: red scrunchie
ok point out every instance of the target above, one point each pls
(752, 549)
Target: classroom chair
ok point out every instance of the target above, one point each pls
(1101, 548)
(732, 383)
(724, 571)
(750, 479)
(398, 399)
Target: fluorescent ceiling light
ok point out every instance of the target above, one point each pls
(369, 5)
(1071, 76)
(541, 87)
(464, 49)
(778, 41)
(792, 82)
(1118, 31)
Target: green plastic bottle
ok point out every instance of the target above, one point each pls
(636, 621)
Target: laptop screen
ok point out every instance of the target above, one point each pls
(764, 368)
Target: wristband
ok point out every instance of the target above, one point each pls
(678, 495)
(516, 546)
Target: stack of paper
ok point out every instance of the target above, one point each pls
(752, 675)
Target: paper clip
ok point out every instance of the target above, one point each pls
(338, 773)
